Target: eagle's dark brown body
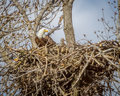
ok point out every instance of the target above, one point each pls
(44, 41)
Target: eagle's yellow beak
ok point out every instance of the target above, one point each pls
(45, 30)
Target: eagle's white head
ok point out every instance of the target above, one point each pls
(41, 33)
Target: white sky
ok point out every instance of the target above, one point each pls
(85, 18)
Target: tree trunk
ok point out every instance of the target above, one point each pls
(119, 11)
(118, 23)
(68, 26)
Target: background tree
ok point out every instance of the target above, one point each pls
(27, 16)
(68, 25)
(118, 23)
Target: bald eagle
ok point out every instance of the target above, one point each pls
(41, 39)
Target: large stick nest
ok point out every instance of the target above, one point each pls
(56, 70)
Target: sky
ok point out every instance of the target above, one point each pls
(85, 19)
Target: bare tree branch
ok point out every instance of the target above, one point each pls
(22, 11)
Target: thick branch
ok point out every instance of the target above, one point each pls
(68, 26)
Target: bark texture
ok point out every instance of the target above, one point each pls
(119, 10)
(68, 26)
(118, 23)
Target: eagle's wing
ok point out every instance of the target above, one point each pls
(44, 41)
